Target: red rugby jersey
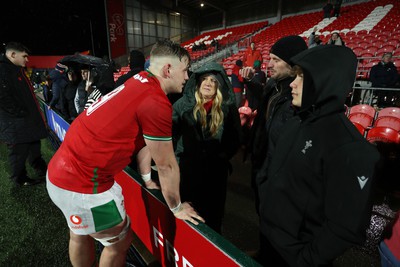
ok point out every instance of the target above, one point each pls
(101, 141)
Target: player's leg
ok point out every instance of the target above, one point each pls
(116, 241)
(81, 250)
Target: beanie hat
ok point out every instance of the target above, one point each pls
(287, 47)
(60, 67)
(136, 59)
(239, 63)
(257, 64)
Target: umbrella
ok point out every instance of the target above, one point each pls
(79, 61)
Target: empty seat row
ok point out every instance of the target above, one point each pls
(382, 125)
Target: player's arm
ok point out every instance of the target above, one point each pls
(168, 172)
(143, 159)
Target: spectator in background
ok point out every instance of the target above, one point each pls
(59, 82)
(81, 93)
(255, 86)
(322, 177)
(215, 44)
(147, 64)
(237, 82)
(74, 79)
(136, 64)
(206, 128)
(336, 8)
(327, 9)
(335, 39)
(384, 75)
(251, 55)
(314, 39)
(47, 93)
(100, 82)
(21, 123)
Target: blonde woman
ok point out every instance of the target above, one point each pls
(206, 130)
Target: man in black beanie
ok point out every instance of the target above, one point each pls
(273, 111)
(136, 63)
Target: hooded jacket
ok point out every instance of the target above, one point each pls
(315, 203)
(20, 116)
(203, 158)
(227, 138)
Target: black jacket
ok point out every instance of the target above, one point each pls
(384, 75)
(125, 77)
(316, 203)
(273, 112)
(21, 120)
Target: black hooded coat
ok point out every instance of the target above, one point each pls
(204, 159)
(316, 203)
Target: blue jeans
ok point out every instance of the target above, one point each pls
(387, 258)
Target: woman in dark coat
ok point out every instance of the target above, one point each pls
(206, 128)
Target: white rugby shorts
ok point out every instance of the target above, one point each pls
(89, 213)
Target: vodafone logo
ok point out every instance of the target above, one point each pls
(75, 219)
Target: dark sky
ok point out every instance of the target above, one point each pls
(55, 27)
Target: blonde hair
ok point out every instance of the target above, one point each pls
(217, 116)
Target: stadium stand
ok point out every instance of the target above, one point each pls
(224, 36)
(369, 28)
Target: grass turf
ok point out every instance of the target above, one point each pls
(33, 230)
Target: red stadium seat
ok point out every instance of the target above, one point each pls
(383, 134)
(364, 44)
(389, 112)
(360, 128)
(362, 119)
(363, 108)
(389, 122)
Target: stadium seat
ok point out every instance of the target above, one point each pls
(389, 122)
(361, 118)
(372, 49)
(384, 49)
(364, 44)
(360, 128)
(383, 134)
(365, 53)
(363, 108)
(389, 112)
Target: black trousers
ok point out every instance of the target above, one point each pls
(18, 154)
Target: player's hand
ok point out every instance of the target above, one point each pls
(152, 185)
(247, 72)
(189, 214)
